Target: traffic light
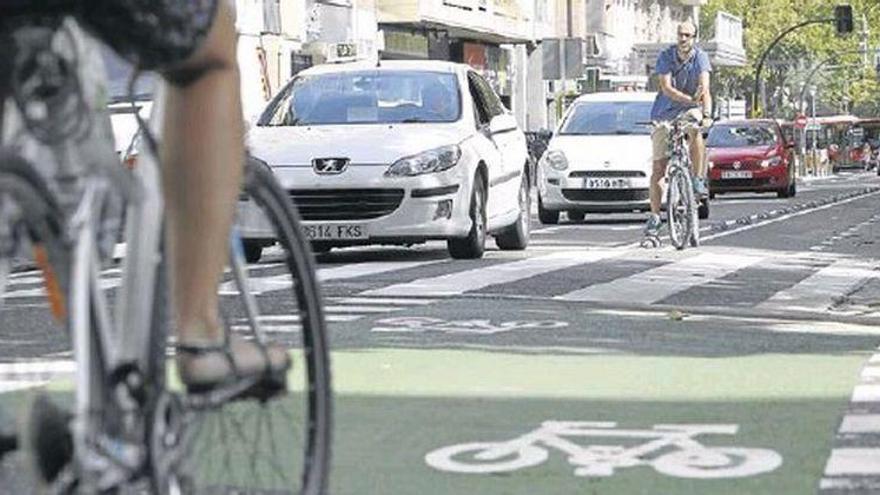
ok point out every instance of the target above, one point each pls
(843, 18)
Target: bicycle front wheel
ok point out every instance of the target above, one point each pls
(680, 208)
(279, 445)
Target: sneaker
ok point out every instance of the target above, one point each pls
(652, 226)
(700, 188)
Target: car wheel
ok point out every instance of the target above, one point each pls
(711, 195)
(575, 215)
(472, 246)
(547, 216)
(516, 236)
(253, 251)
(703, 209)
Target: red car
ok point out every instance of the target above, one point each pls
(750, 155)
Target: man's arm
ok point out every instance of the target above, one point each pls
(704, 95)
(674, 94)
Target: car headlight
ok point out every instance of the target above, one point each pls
(426, 162)
(556, 160)
(770, 162)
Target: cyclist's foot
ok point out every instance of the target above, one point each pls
(652, 226)
(47, 438)
(700, 189)
(208, 366)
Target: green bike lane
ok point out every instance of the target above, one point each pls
(413, 385)
(458, 373)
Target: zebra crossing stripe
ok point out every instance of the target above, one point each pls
(853, 461)
(389, 301)
(469, 280)
(860, 423)
(817, 292)
(653, 285)
(259, 285)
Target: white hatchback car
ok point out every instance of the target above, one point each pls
(599, 159)
(396, 153)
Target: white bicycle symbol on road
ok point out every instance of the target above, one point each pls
(669, 449)
(418, 324)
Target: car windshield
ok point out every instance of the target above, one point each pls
(744, 136)
(602, 118)
(366, 97)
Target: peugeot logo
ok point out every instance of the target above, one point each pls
(330, 166)
(737, 165)
(607, 163)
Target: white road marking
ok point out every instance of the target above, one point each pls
(860, 423)
(468, 280)
(848, 461)
(817, 292)
(653, 285)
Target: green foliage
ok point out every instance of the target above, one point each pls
(788, 65)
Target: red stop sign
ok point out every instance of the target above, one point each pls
(800, 121)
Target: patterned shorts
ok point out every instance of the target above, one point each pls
(153, 34)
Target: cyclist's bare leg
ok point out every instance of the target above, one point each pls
(202, 149)
(203, 156)
(697, 153)
(658, 171)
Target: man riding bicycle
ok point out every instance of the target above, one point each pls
(192, 44)
(683, 70)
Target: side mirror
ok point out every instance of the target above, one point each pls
(502, 123)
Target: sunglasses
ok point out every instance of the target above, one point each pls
(685, 35)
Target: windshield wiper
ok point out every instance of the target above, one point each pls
(622, 132)
(413, 120)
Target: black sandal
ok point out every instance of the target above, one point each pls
(235, 362)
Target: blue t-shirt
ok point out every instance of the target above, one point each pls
(685, 78)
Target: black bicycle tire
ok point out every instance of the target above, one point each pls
(679, 181)
(262, 186)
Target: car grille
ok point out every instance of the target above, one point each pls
(609, 195)
(739, 183)
(606, 173)
(750, 165)
(346, 204)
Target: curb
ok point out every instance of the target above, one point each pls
(767, 215)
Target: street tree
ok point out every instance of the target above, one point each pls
(792, 60)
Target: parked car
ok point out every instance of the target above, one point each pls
(599, 159)
(399, 152)
(750, 155)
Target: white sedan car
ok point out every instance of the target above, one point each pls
(396, 153)
(599, 159)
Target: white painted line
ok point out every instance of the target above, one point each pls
(362, 309)
(817, 292)
(786, 217)
(866, 393)
(469, 280)
(37, 367)
(12, 386)
(654, 285)
(871, 372)
(369, 268)
(273, 328)
(384, 300)
(860, 423)
(259, 285)
(853, 462)
(875, 358)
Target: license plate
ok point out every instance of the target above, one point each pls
(736, 174)
(606, 183)
(334, 232)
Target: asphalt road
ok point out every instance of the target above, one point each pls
(590, 365)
